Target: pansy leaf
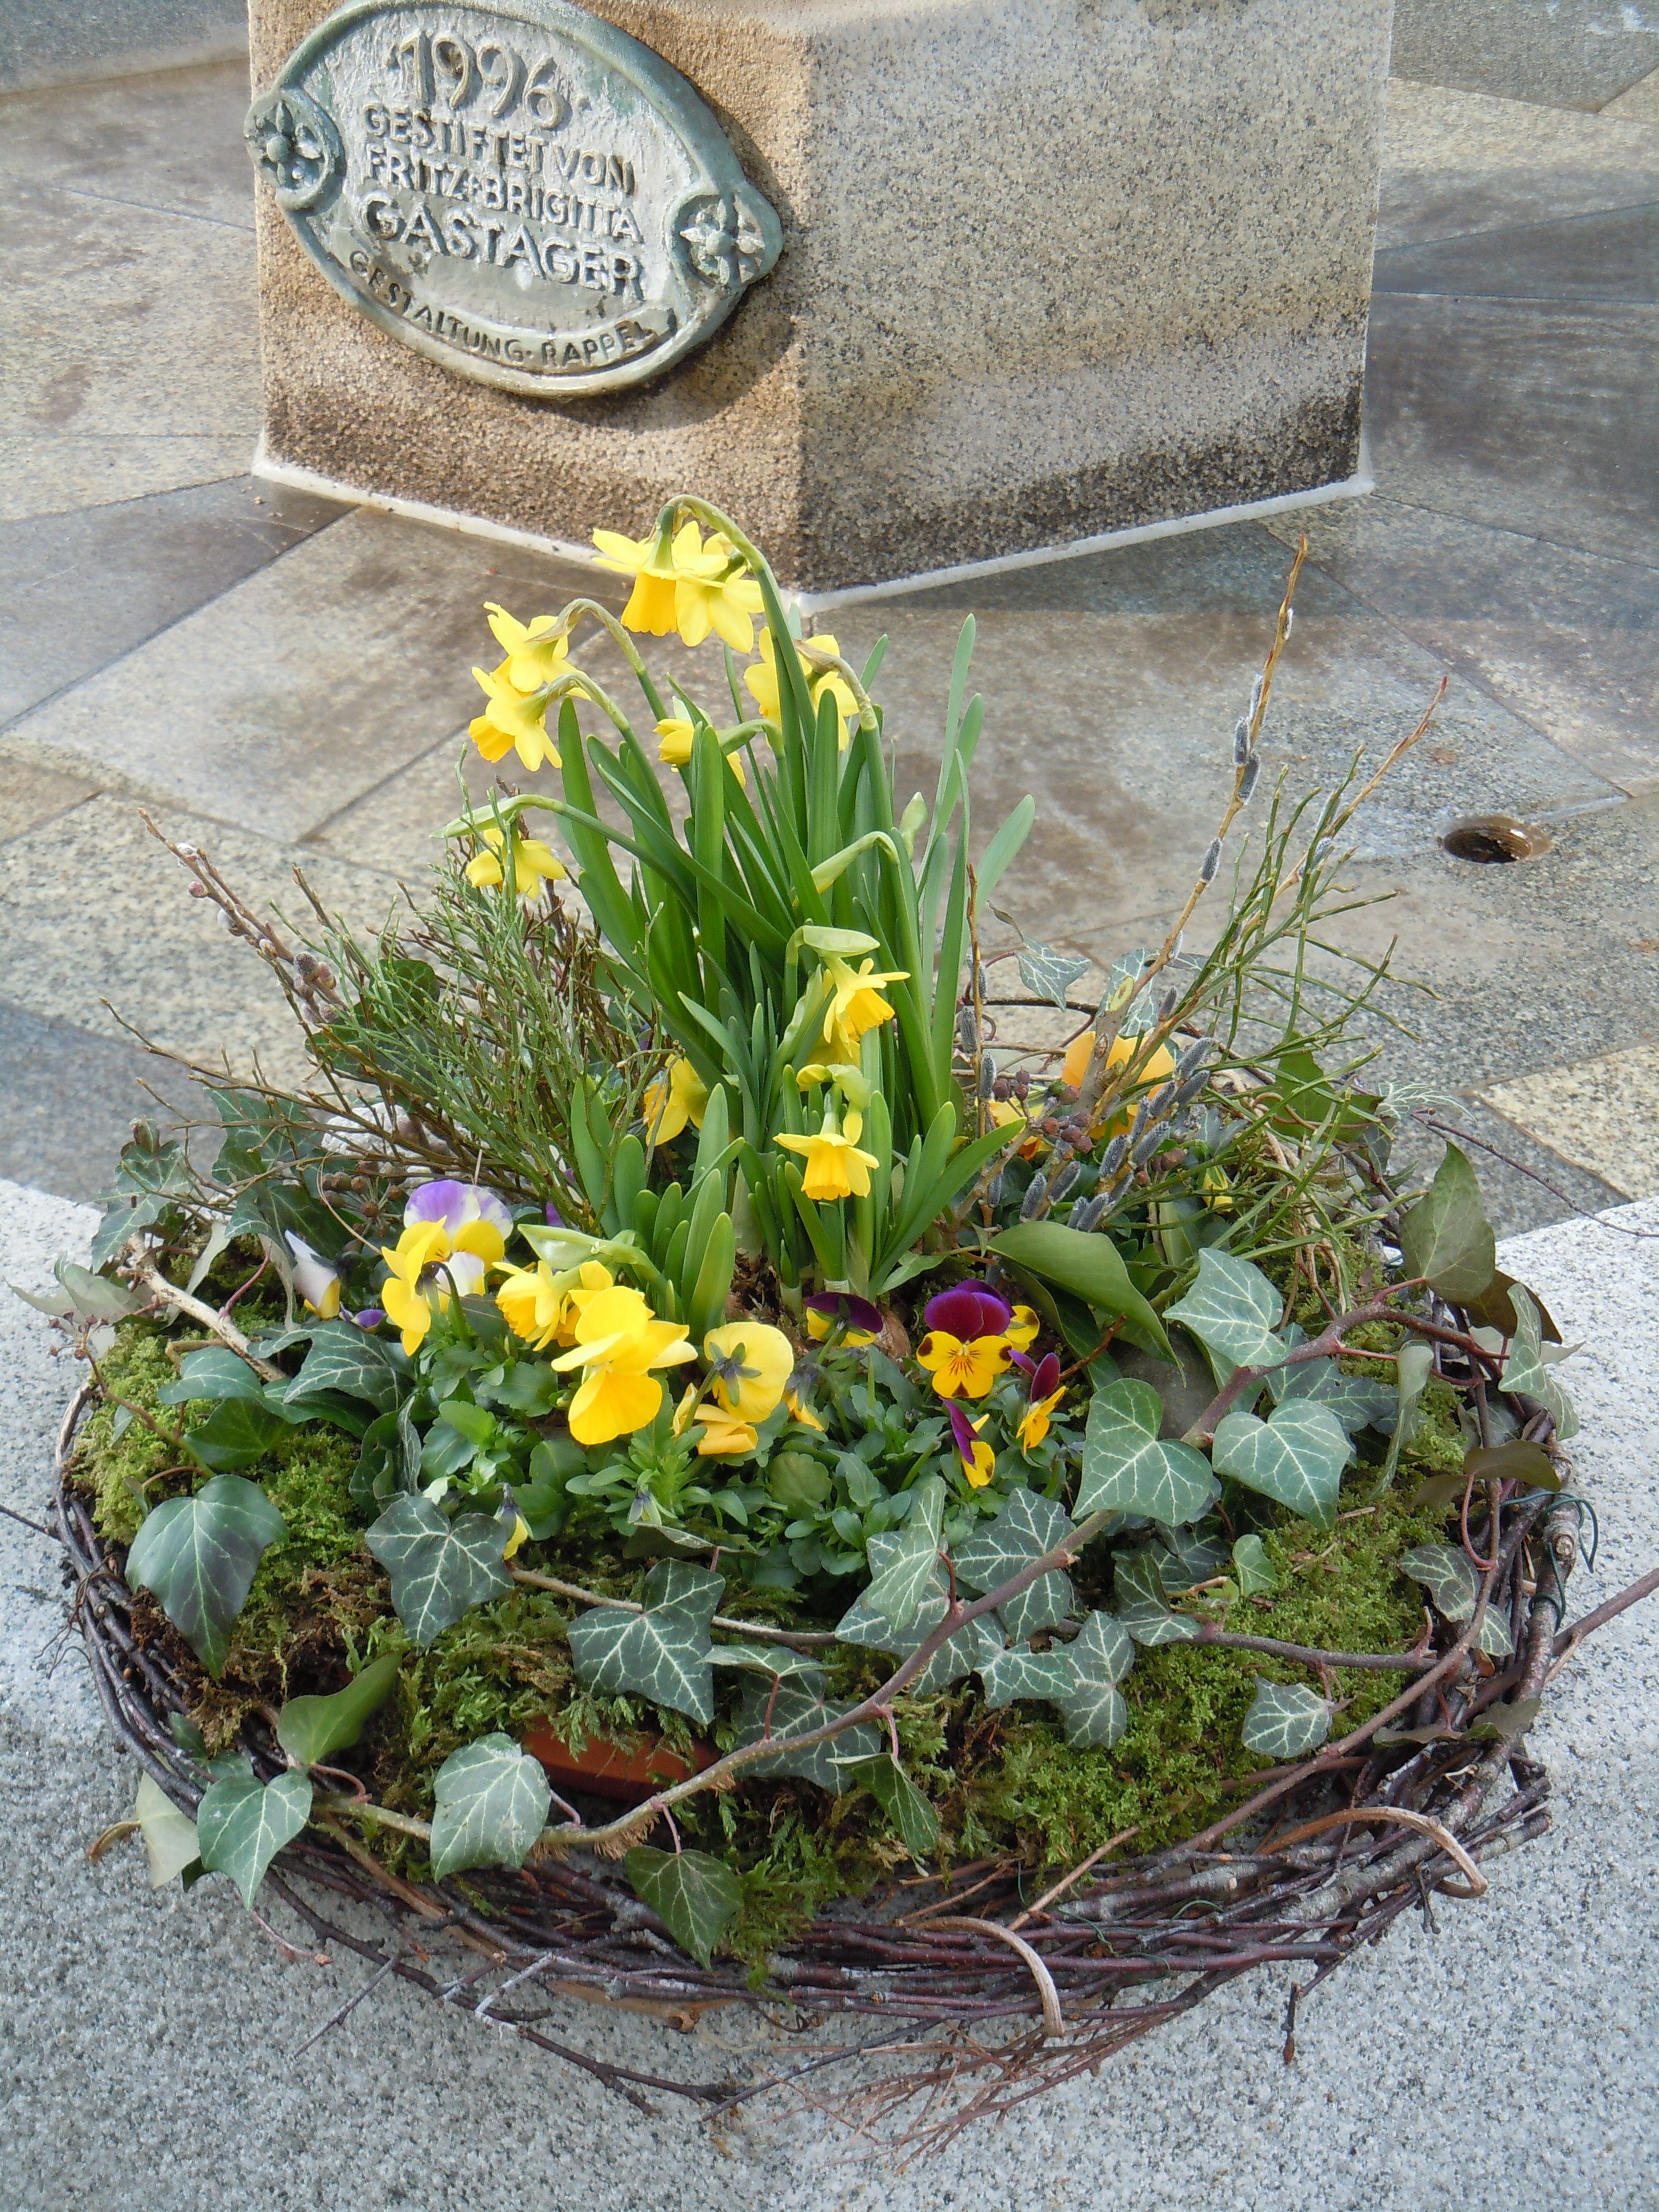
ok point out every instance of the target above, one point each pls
(440, 1568)
(911, 1814)
(1286, 1721)
(1142, 1607)
(1128, 1468)
(1028, 1526)
(212, 1371)
(1020, 1672)
(1253, 1570)
(1446, 1237)
(792, 1710)
(1525, 1371)
(1232, 1310)
(238, 1432)
(692, 1894)
(197, 1556)
(1297, 1456)
(491, 1804)
(347, 1358)
(242, 1823)
(1447, 1572)
(171, 1843)
(661, 1654)
(1050, 975)
(310, 1729)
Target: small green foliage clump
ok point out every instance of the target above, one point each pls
(121, 1452)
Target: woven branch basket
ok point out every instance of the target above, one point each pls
(947, 1999)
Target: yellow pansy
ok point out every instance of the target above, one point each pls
(533, 863)
(799, 1410)
(618, 1341)
(677, 733)
(724, 1435)
(532, 1304)
(412, 1292)
(1034, 1422)
(835, 1166)
(535, 650)
(520, 1531)
(855, 1002)
(979, 1461)
(672, 1099)
(1022, 1330)
(962, 1368)
(682, 587)
(512, 722)
(761, 681)
(752, 1364)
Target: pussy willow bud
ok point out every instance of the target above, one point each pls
(1166, 1005)
(1249, 780)
(1256, 698)
(1064, 1181)
(1145, 1146)
(1211, 862)
(1116, 1152)
(967, 1032)
(1194, 1058)
(1192, 1087)
(1032, 1200)
(1289, 620)
(1087, 1215)
(987, 1076)
(1159, 1104)
(1241, 742)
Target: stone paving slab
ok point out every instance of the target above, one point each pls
(1561, 53)
(1512, 2057)
(171, 140)
(1602, 1114)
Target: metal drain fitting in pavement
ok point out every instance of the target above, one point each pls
(1493, 840)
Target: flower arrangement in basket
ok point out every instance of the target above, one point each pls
(692, 1458)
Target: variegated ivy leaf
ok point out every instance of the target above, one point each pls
(1232, 1310)
(1357, 1402)
(693, 1589)
(1447, 1572)
(198, 1555)
(912, 1562)
(958, 1657)
(171, 1843)
(791, 1710)
(662, 1654)
(1050, 975)
(911, 1814)
(1525, 1371)
(1297, 1456)
(1103, 1650)
(1027, 1527)
(1185, 1559)
(1142, 1607)
(491, 1805)
(768, 1659)
(1286, 1721)
(692, 1894)
(1022, 1673)
(1138, 1010)
(242, 1823)
(212, 1371)
(1128, 1468)
(1092, 1706)
(1253, 1569)
(347, 1358)
(440, 1568)
(1493, 1635)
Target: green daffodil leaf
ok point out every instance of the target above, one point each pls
(440, 1568)
(1020, 1672)
(1128, 1468)
(1142, 1606)
(1446, 1237)
(662, 1654)
(1233, 1310)
(1284, 1721)
(1297, 1456)
(1526, 1371)
(196, 1557)
(912, 1816)
(491, 1804)
(793, 1709)
(242, 1823)
(1028, 1526)
(693, 1895)
(310, 1729)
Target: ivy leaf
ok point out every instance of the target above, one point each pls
(1028, 1526)
(439, 1569)
(692, 1894)
(1446, 1235)
(310, 1729)
(1494, 1638)
(773, 1659)
(170, 1840)
(238, 1432)
(196, 1557)
(347, 1358)
(1128, 1468)
(1142, 1607)
(242, 1823)
(794, 1709)
(1020, 1672)
(1185, 1559)
(1253, 1569)
(1285, 1720)
(215, 1371)
(1232, 1310)
(1297, 1456)
(1521, 1462)
(1510, 1718)
(95, 1295)
(1357, 1402)
(911, 1814)
(958, 1655)
(1091, 1268)
(1050, 975)
(491, 1801)
(1091, 1705)
(1524, 1371)
(662, 1654)
(691, 1589)
(1447, 1572)
(912, 1566)
(1103, 1650)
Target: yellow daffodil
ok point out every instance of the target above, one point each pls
(672, 1099)
(962, 1368)
(752, 1364)
(724, 1436)
(512, 720)
(618, 1341)
(855, 1002)
(535, 650)
(520, 1531)
(533, 863)
(414, 1290)
(682, 587)
(761, 681)
(835, 1166)
(1156, 1067)
(677, 734)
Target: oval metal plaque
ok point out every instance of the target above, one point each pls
(518, 191)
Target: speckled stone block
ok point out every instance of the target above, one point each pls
(1051, 268)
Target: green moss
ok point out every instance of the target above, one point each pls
(115, 1451)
